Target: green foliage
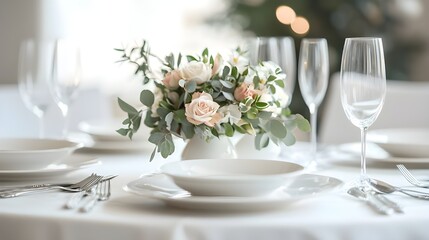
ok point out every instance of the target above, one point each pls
(166, 110)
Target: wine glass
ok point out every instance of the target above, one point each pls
(66, 76)
(313, 75)
(35, 66)
(363, 86)
(279, 50)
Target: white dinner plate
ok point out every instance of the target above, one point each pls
(127, 145)
(350, 152)
(162, 188)
(32, 154)
(105, 131)
(402, 142)
(71, 163)
(231, 177)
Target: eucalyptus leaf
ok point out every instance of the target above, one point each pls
(168, 119)
(277, 128)
(190, 86)
(261, 141)
(228, 96)
(289, 140)
(226, 84)
(147, 98)
(216, 84)
(156, 137)
(188, 130)
(152, 155)
(265, 115)
(126, 107)
(302, 123)
(123, 131)
(126, 121)
(225, 72)
(182, 83)
(162, 112)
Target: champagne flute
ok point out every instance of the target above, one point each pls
(35, 62)
(313, 75)
(363, 86)
(66, 76)
(281, 51)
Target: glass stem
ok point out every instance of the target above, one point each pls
(65, 110)
(313, 122)
(363, 175)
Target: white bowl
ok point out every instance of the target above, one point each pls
(402, 142)
(32, 154)
(231, 177)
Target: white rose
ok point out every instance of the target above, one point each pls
(197, 71)
(230, 114)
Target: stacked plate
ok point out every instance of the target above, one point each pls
(103, 136)
(39, 158)
(405, 145)
(230, 184)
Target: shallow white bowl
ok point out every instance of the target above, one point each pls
(402, 142)
(231, 177)
(31, 154)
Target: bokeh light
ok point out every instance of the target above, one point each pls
(300, 25)
(285, 14)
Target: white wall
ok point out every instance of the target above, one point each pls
(18, 20)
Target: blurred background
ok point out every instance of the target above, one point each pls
(221, 25)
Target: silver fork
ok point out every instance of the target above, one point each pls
(410, 177)
(20, 191)
(102, 193)
(75, 199)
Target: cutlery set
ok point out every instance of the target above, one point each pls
(93, 188)
(373, 194)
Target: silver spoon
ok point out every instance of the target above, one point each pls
(383, 187)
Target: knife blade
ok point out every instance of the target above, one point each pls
(387, 201)
(370, 200)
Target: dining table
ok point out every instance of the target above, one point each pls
(331, 215)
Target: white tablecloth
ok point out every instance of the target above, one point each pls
(125, 216)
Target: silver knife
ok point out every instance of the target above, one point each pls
(387, 201)
(375, 204)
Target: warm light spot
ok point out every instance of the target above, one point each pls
(285, 14)
(300, 25)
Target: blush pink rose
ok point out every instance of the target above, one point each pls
(171, 79)
(244, 91)
(202, 109)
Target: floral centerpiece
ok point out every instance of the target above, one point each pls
(209, 96)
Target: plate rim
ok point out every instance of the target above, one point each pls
(244, 202)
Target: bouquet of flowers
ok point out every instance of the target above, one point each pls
(209, 96)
